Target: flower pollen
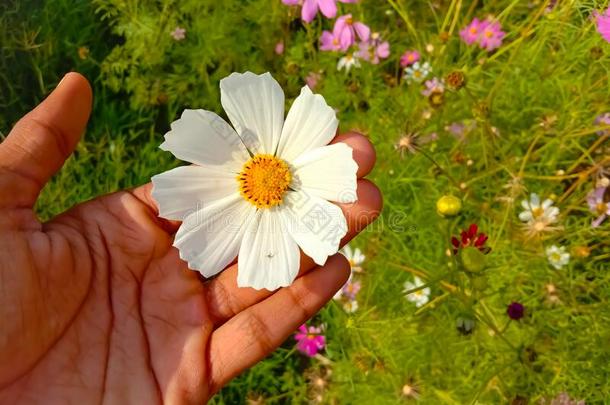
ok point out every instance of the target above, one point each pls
(263, 180)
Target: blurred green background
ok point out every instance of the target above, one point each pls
(529, 109)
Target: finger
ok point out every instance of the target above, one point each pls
(254, 333)
(42, 140)
(226, 299)
(364, 152)
(364, 155)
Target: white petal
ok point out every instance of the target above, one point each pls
(315, 224)
(347, 252)
(547, 203)
(526, 216)
(526, 205)
(534, 200)
(310, 123)
(209, 239)
(255, 106)
(184, 190)
(328, 172)
(203, 138)
(268, 258)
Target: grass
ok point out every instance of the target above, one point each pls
(534, 102)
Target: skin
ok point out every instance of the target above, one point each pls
(97, 307)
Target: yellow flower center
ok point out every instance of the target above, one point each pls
(601, 208)
(537, 212)
(556, 257)
(263, 180)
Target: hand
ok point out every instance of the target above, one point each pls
(96, 306)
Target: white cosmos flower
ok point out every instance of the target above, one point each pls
(355, 258)
(534, 211)
(557, 256)
(419, 297)
(260, 191)
(348, 62)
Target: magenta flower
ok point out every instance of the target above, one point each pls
(435, 85)
(597, 205)
(347, 30)
(488, 34)
(374, 49)
(603, 24)
(310, 340)
(492, 35)
(311, 7)
(409, 58)
(329, 41)
(312, 79)
(471, 33)
(602, 121)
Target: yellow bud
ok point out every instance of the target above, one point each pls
(448, 206)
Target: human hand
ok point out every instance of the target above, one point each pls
(96, 305)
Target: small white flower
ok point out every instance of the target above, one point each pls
(261, 191)
(347, 62)
(419, 297)
(417, 72)
(350, 306)
(558, 257)
(355, 258)
(534, 211)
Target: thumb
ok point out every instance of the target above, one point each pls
(41, 141)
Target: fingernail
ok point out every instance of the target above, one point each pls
(62, 79)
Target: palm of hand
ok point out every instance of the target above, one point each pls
(96, 305)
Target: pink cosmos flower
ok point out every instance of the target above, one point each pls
(351, 289)
(178, 34)
(488, 34)
(310, 340)
(346, 30)
(492, 35)
(597, 205)
(602, 121)
(329, 41)
(279, 48)
(432, 86)
(312, 79)
(603, 24)
(470, 34)
(374, 49)
(311, 7)
(409, 58)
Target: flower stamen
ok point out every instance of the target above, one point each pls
(263, 180)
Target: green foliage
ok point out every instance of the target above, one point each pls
(533, 101)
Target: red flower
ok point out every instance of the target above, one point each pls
(470, 237)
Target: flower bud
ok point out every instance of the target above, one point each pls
(455, 80)
(448, 206)
(472, 259)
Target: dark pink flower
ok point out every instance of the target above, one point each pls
(310, 340)
(347, 30)
(374, 49)
(603, 24)
(409, 58)
(279, 48)
(487, 33)
(311, 7)
(470, 34)
(492, 35)
(470, 237)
